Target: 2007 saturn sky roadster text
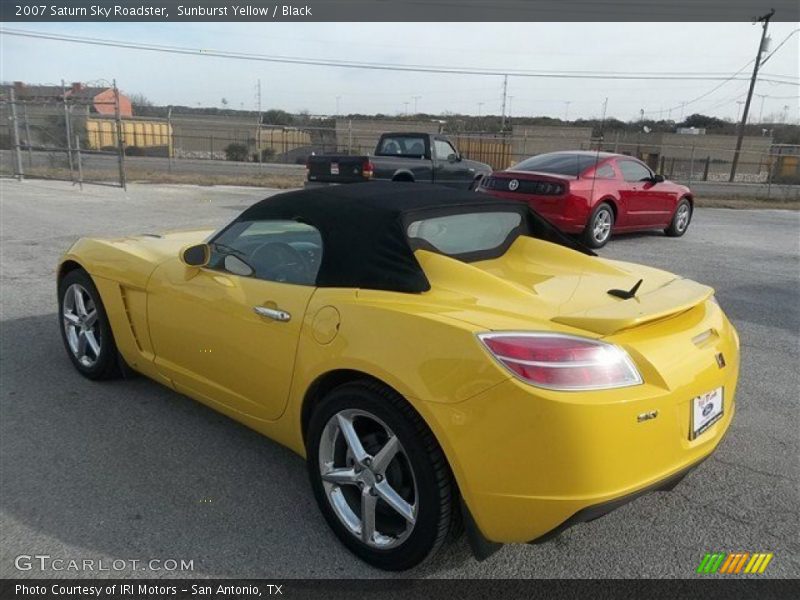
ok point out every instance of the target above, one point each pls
(438, 356)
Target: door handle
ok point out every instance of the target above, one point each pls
(272, 313)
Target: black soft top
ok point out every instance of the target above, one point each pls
(363, 228)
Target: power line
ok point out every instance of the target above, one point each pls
(379, 66)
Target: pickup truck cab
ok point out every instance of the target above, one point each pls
(413, 157)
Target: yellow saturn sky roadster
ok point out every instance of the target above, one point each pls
(443, 359)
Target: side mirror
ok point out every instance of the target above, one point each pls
(196, 256)
(234, 264)
(659, 179)
(451, 158)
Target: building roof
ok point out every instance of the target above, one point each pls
(54, 93)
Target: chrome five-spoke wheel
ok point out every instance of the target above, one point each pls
(85, 328)
(368, 478)
(379, 476)
(601, 227)
(81, 325)
(682, 218)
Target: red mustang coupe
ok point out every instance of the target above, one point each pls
(595, 194)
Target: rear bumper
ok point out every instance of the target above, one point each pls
(590, 513)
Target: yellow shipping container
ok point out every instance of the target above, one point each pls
(102, 133)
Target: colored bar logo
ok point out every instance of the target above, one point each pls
(734, 563)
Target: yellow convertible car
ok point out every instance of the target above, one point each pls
(444, 360)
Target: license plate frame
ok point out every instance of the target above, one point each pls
(705, 410)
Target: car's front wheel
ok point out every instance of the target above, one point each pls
(379, 476)
(680, 220)
(598, 230)
(85, 328)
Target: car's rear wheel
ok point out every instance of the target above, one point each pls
(85, 328)
(379, 476)
(598, 230)
(680, 220)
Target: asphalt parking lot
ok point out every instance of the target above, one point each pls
(132, 470)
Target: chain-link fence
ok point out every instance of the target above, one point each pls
(90, 135)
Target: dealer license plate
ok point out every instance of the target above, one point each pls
(707, 409)
(334, 168)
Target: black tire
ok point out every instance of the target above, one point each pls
(105, 363)
(598, 229)
(436, 497)
(681, 219)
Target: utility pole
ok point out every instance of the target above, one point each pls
(602, 124)
(566, 109)
(505, 98)
(683, 106)
(764, 20)
(761, 110)
(739, 108)
(406, 105)
(338, 98)
(258, 124)
(415, 103)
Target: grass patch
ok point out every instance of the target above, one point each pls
(749, 203)
(134, 175)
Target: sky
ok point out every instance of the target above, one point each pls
(721, 48)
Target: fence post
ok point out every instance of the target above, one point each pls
(671, 167)
(17, 150)
(211, 147)
(68, 131)
(27, 134)
(707, 168)
(349, 136)
(120, 143)
(691, 166)
(169, 138)
(663, 163)
(770, 167)
(78, 156)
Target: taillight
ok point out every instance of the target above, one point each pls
(366, 169)
(562, 362)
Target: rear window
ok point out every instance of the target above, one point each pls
(402, 145)
(466, 233)
(557, 164)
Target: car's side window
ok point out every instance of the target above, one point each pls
(605, 171)
(443, 149)
(282, 251)
(634, 171)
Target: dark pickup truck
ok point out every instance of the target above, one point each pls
(421, 157)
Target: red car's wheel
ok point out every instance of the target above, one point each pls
(680, 220)
(598, 230)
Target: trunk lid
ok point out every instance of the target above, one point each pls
(535, 282)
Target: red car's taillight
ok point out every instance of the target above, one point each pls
(562, 362)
